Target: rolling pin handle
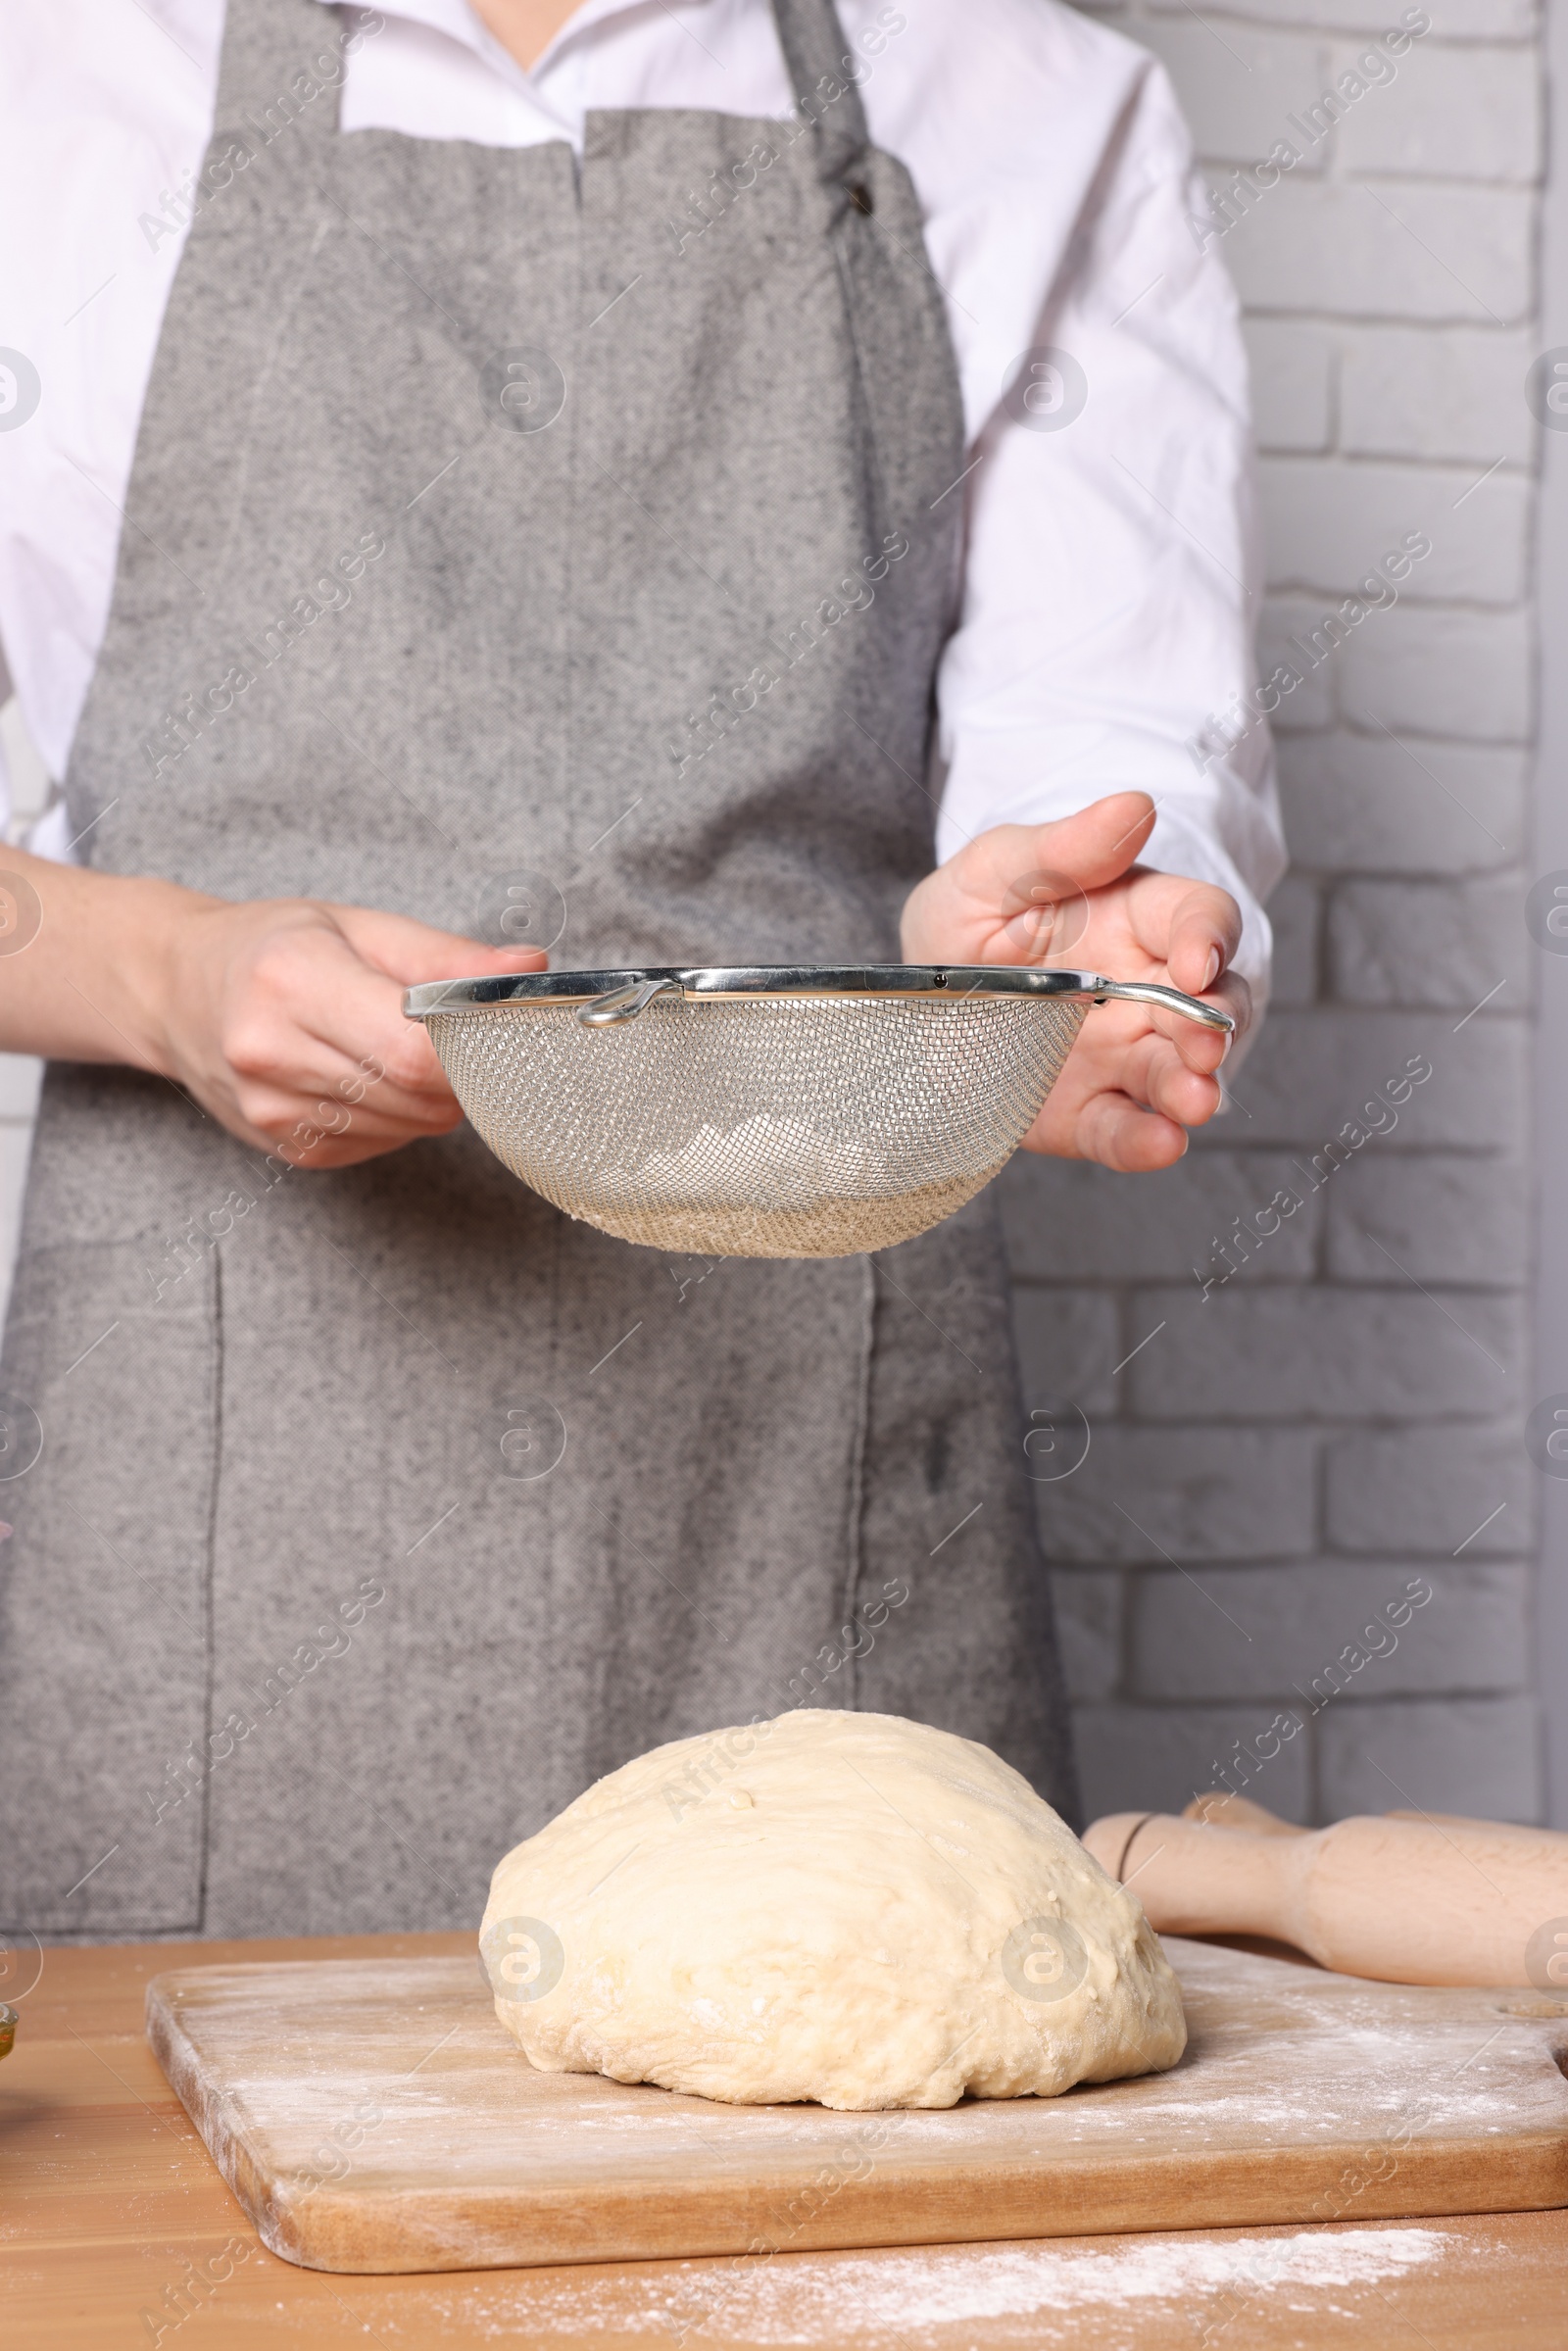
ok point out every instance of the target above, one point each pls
(1120, 1871)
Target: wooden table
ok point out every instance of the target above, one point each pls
(109, 2206)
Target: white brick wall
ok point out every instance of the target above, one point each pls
(1280, 1460)
(1346, 1412)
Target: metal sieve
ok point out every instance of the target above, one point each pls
(758, 1112)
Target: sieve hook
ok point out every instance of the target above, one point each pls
(1169, 1000)
(624, 1004)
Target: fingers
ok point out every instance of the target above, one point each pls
(322, 1131)
(360, 1015)
(308, 1143)
(413, 952)
(1134, 1142)
(1154, 1077)
(1108, 1126)
(308, 1012)
(1072, 890)
(317, 1063)
(1193, 928)
(1161, 1059)
(1017, 894)
(1127, 1095)
(1202, 939)
(1011, 872)
(1204, 1048)
(1094, 846)
(367, 1010)
(288, 1024)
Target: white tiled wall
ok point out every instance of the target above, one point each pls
(1346, 1412)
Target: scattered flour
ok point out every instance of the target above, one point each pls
(909, 2299)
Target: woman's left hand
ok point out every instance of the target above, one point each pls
(1071, 893)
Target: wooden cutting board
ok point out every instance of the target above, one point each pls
(372, 2116)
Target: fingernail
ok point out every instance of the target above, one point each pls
(1212, 973)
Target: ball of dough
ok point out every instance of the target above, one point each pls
(844, 1907)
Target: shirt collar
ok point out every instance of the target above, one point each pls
(458, 22)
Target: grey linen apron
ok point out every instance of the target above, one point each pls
(492, 512)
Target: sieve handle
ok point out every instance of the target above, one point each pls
(624, 1004)
(1170, 999)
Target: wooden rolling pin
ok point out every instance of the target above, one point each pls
(1406, 1898)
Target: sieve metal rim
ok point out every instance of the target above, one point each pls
(728, 982)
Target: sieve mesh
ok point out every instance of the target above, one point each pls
(782, 1126)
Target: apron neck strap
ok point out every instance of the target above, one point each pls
(282, 67)
(824, 73)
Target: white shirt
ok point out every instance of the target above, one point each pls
(1110, 579)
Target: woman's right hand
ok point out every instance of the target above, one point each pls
(282, 1018)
